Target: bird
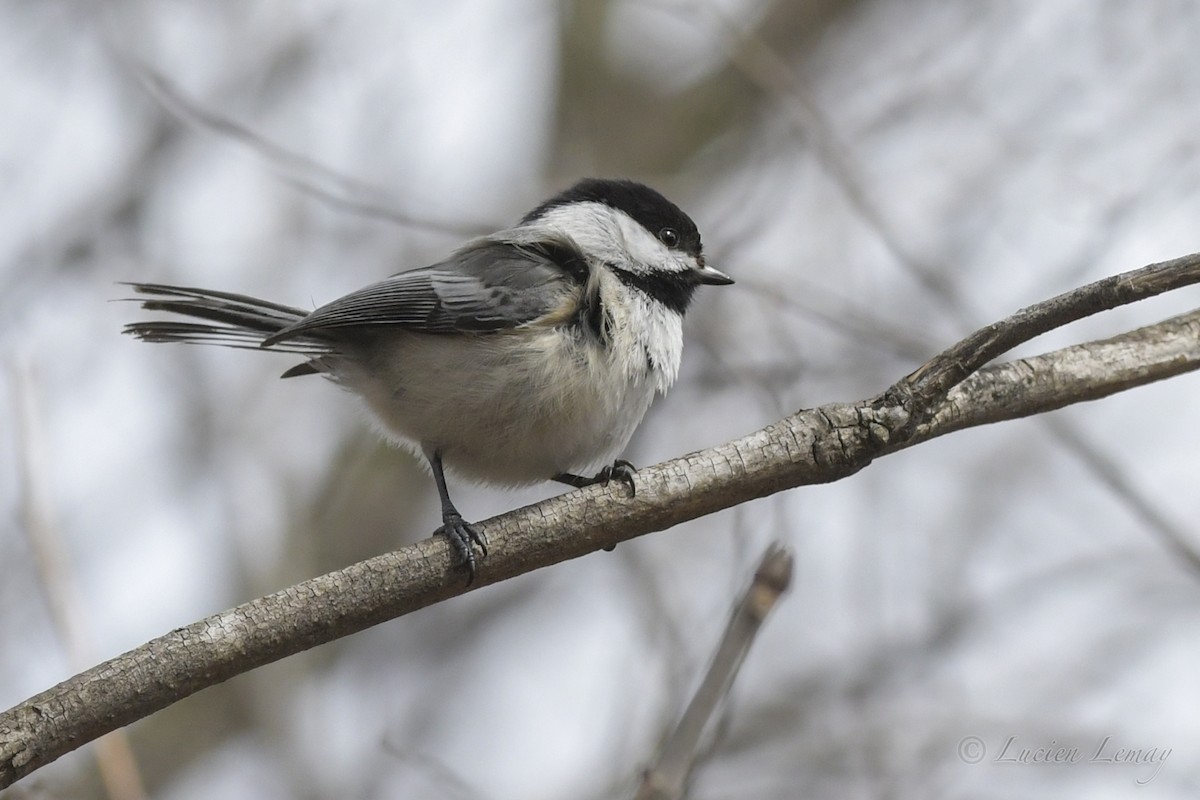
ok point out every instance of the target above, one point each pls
(529, 354)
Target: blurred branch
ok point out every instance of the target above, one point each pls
(114, 755)
(667, 779)
(766, 68)
(1175, 538)
(306, 174)
(812, 446)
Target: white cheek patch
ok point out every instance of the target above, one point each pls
(644, 246)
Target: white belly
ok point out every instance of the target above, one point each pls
(508, 408)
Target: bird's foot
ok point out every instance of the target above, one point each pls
(620, 470)
(463, 539)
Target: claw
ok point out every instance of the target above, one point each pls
(620, 470)
(462, 534)
(463, 538)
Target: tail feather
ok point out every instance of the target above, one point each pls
(231, 320)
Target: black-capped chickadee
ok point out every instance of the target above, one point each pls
(529, 354)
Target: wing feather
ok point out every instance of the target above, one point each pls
(491, 284)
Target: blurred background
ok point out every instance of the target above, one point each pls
(880, 176)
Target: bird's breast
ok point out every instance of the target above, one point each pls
(645, 338)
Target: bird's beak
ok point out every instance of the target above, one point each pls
(713, 277)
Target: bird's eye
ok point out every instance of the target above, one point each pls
(669, 237)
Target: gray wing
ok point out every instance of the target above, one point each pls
(488, 285)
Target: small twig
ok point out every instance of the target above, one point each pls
(930, 382)
(667, 779)
(1064, 377)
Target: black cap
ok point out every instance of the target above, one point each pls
(649, 208)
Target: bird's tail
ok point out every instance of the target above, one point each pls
(232, 320)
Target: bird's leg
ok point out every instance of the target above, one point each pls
(460, 533)
(620, 470)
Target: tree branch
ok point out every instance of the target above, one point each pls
(1072, 375)
(811, 446)
(936, 377)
